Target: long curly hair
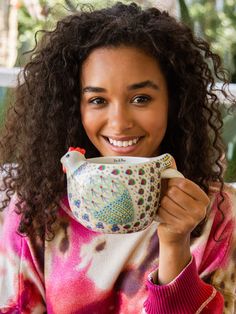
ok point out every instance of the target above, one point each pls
(45, 118)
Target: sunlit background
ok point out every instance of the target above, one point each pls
(214, 20)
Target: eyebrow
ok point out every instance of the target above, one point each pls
(148, 83)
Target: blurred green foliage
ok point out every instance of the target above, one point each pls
(29, 25)
(215, 20)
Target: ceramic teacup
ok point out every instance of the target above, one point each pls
(115, 194)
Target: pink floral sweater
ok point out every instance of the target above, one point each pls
(84, 272)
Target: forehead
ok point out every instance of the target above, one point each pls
(114, 62)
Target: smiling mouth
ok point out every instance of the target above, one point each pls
(119, 143)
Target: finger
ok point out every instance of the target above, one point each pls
(177, 226)
(190, 188)
(164, 216)
(170, 207)
(183, 200)
(183, 206)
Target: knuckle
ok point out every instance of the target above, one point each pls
(184, 184)
(208, 202)
(173, 191)
(164, 201)
(203, 214)
(192, 224)
(198, 217)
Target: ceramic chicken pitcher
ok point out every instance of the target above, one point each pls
(116, 194)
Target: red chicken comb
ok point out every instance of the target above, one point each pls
(78, 149)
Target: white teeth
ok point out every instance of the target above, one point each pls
(123, 143)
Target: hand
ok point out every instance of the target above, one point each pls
(183, 206)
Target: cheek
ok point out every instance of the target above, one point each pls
(156, 124)
(86, 116)
(91, 121)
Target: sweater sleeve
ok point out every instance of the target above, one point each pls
(213, 258)
(186, 294)
(21, 279)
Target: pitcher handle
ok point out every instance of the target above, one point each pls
(168, 174)
(171, 173)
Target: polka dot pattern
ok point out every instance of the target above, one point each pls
(117, 198)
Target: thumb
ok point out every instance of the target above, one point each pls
(171, 171)
(167, 174)
(173, 163)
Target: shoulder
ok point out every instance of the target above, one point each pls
(230, 191)
(222, 215)
(9, 219)
(224, 276)
(227, 204)
(215, 245)
(10, 239)
(20, 259)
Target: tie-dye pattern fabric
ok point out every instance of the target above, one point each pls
(81, 271)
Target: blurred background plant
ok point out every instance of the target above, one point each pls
(214, 20)
(34, 15)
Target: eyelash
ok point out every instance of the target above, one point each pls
(101, 101)
(144, 98)
(91, 101)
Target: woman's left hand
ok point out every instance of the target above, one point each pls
(183, 206)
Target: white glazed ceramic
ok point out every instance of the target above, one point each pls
(115, 194)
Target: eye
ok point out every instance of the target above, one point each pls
(140, 99)
(97, 101)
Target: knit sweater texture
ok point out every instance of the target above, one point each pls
(86, 272)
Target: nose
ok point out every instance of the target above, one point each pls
(120, 118)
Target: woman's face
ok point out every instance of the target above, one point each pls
(124, 104)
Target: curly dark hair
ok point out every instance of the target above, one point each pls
(45, 118)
